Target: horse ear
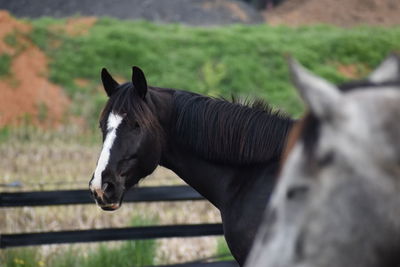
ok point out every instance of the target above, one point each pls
(109, 84)
(320, 95)
(139, 81)
(387, 71)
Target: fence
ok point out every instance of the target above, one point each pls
(141, 194)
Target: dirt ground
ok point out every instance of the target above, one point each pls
(26, 93)
(343, 13)
(189, 12)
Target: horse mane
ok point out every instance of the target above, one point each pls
(229, 132)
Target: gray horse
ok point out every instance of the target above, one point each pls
(337, 203)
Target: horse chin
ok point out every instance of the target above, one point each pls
(111, 206)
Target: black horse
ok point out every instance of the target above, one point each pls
(227, 151)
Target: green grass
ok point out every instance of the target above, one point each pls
(5, 133)
(128, 254)
(27, 257)
(11, 39)
(242, 60)
(223, 251)
(42, 111)
(5, 64)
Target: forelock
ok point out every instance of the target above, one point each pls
(132, 107)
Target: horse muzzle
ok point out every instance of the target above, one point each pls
(110, 207)
(107, 197)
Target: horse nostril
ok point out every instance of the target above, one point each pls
(107, 189)
(98, 193)
(104, 187)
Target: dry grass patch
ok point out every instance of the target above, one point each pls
(41, 164)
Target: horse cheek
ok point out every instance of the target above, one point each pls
(150, 154)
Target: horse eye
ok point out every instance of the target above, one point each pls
(296, 192)
(136, 125)
(326, 159)
(132, 157)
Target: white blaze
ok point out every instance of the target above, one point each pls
(113, 121)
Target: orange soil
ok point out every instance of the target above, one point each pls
(353, 71)
(76, 26)
(345, 13)
(26, 92)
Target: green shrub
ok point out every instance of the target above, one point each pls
(5, 64)
(11, 39)
(5, 133)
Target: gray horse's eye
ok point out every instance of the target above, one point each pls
(297, 192)
(327, 159)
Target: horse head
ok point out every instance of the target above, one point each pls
(337, 200)
(131, 140)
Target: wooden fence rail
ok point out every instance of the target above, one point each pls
(74, 197)
(110, 234)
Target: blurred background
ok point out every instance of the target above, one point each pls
(51, 54)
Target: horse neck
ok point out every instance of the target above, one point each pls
(209, 179)
(205, 177)
(217, 182)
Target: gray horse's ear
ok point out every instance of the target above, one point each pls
(139, 81)
(387, 71)
(109, 84)
(320, 95)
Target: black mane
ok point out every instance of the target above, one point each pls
(229, 132)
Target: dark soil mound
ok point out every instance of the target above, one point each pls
(192, 12)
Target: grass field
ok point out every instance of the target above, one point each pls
(248, 61)
(47, 161)
(127, 254)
